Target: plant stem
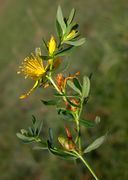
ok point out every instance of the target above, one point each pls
(87, 165)
(78, 125)
(55, 86)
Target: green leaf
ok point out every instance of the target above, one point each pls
(66, 114)
(51, 135)
(59, 95)
(45, 44)
(40, 124)
(77, 42)
(40, 147)
(33, 119)
(86, 87)
(60, 19)
(59, 152)
(30, 131)
(95, 144)
(37, 128)
(58, 29)
(24, 138)
(49, 102)
(71, 16)
(77, 84)
(64, 51)
(73, 86)
(87, 123)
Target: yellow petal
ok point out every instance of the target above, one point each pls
(30, 91)
(52, 45)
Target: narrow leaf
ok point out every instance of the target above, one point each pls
(60, 19)
(77, 84)
(77, 42)
(49, 102)
(45, 44)
(40, 127)
(51, 135)
(24, 138)
(71, 16)
(87, 123)
(66, 114)
(86, 87)
(33, 119)
(64, 51)
(73, 86)
(95, 144)
(59, 152)
(40, 147)
(58, 29)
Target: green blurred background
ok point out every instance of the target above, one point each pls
(104, 23)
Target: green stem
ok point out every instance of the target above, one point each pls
(78, 125)
(55, 86)
(87, 165)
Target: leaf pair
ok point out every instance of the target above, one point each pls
(83, 89)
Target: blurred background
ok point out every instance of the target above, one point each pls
(104, 23)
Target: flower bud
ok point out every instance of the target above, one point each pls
(52, 46)
(67, 143)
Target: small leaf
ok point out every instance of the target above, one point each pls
(40, 147)
(39, 127)
(60, 19)
(87, 123)
(30, 131)
(86, 87)
(77, 42)
(33, 119)
(64, 51)
(58, 29)
(59, 152)
(45, 44)
(73, 86)
(65, 113)
(95, 144)
(51, 135)
(77, 84)
(71, 16)
(49, 102)
(24, 138)
(59, 95)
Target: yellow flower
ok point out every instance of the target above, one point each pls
(52, 46)
(32, 67)
(71, 35)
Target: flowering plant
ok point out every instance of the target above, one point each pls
(70, 96)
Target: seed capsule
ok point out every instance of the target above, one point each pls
(67, 143)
